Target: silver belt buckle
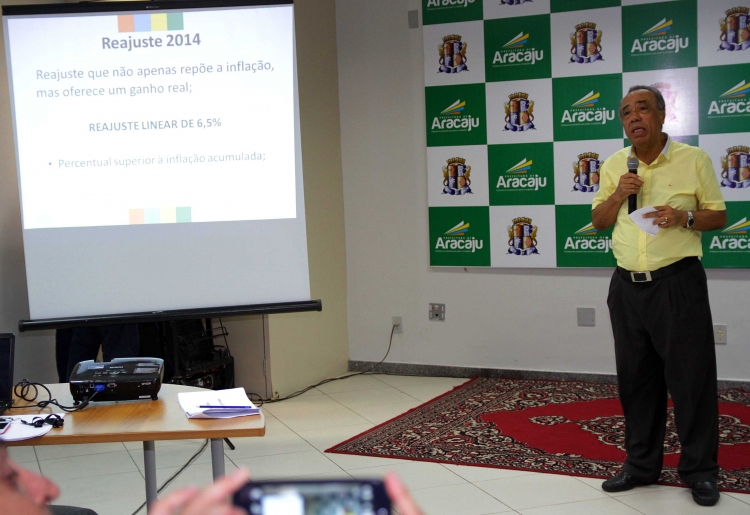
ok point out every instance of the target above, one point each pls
(641, 277)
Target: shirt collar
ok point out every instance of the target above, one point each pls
(664, 151)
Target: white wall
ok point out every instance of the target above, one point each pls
(511, 319)
(309, 347)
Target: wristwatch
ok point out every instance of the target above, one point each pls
(690, 220)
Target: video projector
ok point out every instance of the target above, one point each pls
(122, 379)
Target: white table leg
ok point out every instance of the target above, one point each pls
(217, 457)
(149, 466)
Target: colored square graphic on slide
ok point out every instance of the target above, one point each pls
(184, 215)
(164, 215)
(149, 22)
(137, 217)
(153, 215)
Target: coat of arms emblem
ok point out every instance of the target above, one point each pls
(456, 175)
(735, 33)
(586, 171)
(586, 43)
(452, 54)
(735, 167)
(519, 113)
(522, 237)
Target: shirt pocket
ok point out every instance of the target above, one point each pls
(683, 199)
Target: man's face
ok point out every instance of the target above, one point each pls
(641, 119)
(21, 491)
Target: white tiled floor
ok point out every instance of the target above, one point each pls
(108, 478)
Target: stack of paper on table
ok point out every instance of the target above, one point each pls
(217, 404)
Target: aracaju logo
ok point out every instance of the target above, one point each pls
(670, 100)
(733, 237)
(452, 118)
(519, 113)
(452, 54)
(515, 52)
(586, 44)
(586, 172)
(735, 167)
(436, 4)
(730, 102)
(659, 39)
(521, 178)
(522, 237)
(457, 239)
(587, 239)
(456, 177)
(735, 33)
(585, 111)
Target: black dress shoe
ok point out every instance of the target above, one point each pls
(622, 483)
(705, 493)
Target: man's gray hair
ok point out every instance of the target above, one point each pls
(660, 104)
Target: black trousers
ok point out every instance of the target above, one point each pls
(664, 342)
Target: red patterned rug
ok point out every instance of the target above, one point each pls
(562, 427)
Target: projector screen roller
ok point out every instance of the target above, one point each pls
(158, 156)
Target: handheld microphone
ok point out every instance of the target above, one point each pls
(633, 198)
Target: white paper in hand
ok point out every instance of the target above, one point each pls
(645, 224)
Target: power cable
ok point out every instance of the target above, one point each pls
(174, 476)
(326, 381)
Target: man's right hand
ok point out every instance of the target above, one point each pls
(605, 214)
(629, 183)
(215, 499)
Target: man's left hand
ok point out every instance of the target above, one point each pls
(666, 217)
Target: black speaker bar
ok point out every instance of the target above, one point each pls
(166, 316)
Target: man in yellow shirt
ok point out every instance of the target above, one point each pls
(658, 298)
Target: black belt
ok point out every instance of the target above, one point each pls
(644, 277)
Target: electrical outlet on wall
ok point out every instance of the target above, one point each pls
(586, 317)
(397, 323)
(720, 334)
(437, 312)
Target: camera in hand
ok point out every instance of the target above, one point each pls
(314, 498)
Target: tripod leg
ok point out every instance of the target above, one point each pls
(231, 446)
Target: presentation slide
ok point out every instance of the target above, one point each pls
(154, 118)
(159, 156)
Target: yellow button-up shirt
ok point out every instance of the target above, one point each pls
(682, 177)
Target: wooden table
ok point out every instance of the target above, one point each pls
(139, 421)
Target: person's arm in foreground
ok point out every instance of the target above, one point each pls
(400, 497)
(214, 499)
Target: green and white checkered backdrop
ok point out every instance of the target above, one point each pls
(521, 102)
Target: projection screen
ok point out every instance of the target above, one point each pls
(158, 155)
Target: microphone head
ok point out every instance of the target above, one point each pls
(632, 163)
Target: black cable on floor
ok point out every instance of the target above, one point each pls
(325, 381)
(174, 476)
